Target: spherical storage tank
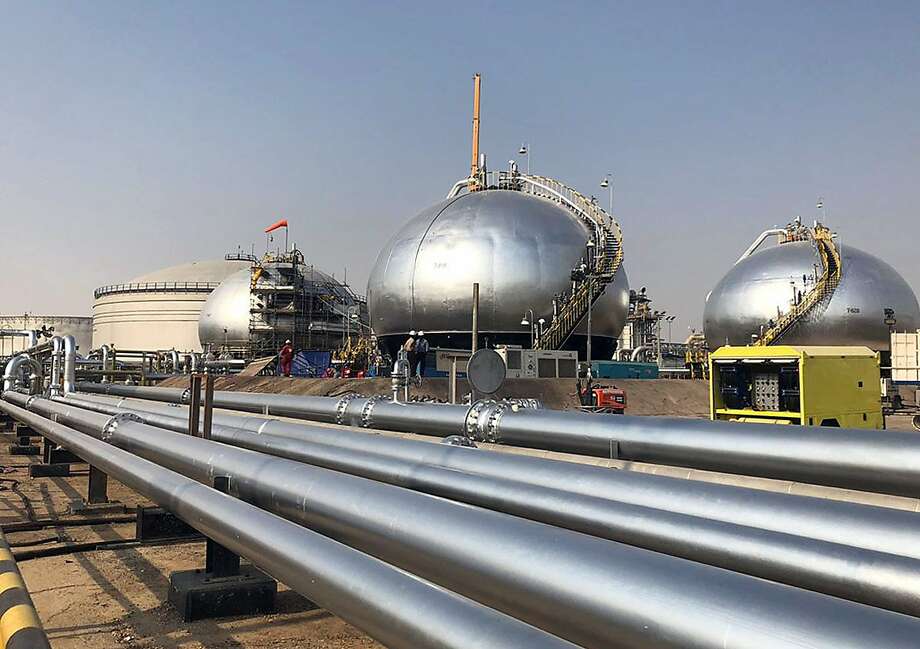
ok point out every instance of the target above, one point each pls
(520, 248)
(238, 315)
(759, 286)
(158, 310)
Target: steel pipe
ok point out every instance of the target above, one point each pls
(30, 334)
(397, 609)
(57, 347)
(779, 232)
(638, 351)
(874, 578)
(880, 461)
(70, 364)
(875, 528)
(581, 588)
(12, 376)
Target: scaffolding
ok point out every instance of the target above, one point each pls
(292, 300)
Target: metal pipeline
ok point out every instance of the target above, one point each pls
(880, 461)
(174, 359)
(12, 376)
(873, 578)
(226, 363)
(638, 352)
(31, 334)
(70, 364)
(875, 528)
(581, 588)
(57, 345)
(396, 608)
(759, 240)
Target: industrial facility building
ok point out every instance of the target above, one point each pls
(80, 327)
(158, 310)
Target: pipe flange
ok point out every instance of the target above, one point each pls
(477, 418)
(186, 397)
(28, 404)
(111, 425)
(342, 406)
(492, 432)
(459, 440)
(367, 412)
(524, 403)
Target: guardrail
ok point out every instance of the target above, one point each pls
(154, 287)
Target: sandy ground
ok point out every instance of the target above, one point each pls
(117, 598)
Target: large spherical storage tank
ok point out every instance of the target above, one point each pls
(759, 286)
(80, 327)
(225, 316)
(158, 310)
(519, 248)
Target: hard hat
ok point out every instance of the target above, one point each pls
(421, 334)
(412, 333)
(287, 342)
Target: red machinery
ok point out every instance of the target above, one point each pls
(610, 399)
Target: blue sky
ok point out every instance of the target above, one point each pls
(138, 135)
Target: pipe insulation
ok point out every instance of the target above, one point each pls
(880, 461)
(13, 374)
(390, 605)
(883, 580)
(875, 528)
(581, 588)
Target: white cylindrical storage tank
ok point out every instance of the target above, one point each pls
(158, 310)
(80, 327)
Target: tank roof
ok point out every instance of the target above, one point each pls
(211, 270)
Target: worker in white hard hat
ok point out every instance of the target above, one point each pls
(285, 357)
(409, 348)
(421, 352)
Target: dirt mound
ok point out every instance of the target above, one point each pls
(644, 397)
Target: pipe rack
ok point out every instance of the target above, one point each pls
(581, 588)
(871, 577)
(398, 609)
(883, 462)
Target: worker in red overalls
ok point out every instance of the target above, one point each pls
(285, 356)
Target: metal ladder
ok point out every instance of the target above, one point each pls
(608, 242)
(823, 289)
(605, 233)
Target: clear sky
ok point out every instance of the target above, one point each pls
(136, 135)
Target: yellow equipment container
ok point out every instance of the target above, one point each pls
(792, 384)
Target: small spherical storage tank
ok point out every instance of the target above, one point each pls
(158, 310)
(225, 316)
(520, 248)
(759, 286)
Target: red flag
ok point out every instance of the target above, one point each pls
(280, 224)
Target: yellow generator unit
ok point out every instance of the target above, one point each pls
(792, 384)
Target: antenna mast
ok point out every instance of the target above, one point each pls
(474, 165)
